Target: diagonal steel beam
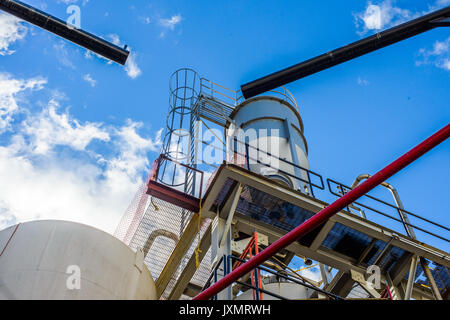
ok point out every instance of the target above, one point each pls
(351, 51)
(317, 242)
(178, 253)
(366, 251)
(190, 268)
(62, 29)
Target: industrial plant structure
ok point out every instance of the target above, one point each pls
(196, 221)
(196, 229)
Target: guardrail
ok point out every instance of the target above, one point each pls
(235, 98)
(345, 189)
(164, 161)
(294, 165)
(226, 261)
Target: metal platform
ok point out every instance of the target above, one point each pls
(346, 242)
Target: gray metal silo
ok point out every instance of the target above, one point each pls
(275, 146)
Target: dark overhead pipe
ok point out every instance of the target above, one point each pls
(356, 49)
(326, 213)
(62, 29)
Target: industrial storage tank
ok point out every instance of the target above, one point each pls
(70, 261)
(280, 287)
(272, 128)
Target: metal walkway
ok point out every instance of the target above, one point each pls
(346, 242)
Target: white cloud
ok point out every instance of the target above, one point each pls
(72, 1)
(440, 47)
(62, 54)
(384, 14)
(169, 24)
(145, 20)
(373, 18)
(131, 67)
(381, 16)
(131, 145)
(89, 55)
(90, 80)
(115, 39)
(445, 64)
(172, 22)
(10, 89)
(11, 30)
(363, 82)
(438, 56)
(50, 170)
(312, 274)
(50, 128)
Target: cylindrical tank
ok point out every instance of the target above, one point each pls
(271, 125)
(287, 290)
(65, 260)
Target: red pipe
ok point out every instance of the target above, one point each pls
(327, 212)
(389, 292)
(259, 273)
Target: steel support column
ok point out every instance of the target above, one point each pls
(324, 274)
(236, 196)
(221, 238)
(218, 251)
(411, 277)
(430, 278)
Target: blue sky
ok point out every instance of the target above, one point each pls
(77, 134)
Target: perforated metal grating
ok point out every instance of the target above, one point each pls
(132, 216)
(158, 233)
(442, 276)
(284, 215)
(346, 241)
(265, 207)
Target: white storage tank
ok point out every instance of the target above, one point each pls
(65, 260)
(280, 287)
(274, 126)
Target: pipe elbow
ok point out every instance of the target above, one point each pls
(359, 179)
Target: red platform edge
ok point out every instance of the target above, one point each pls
(173, 196)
